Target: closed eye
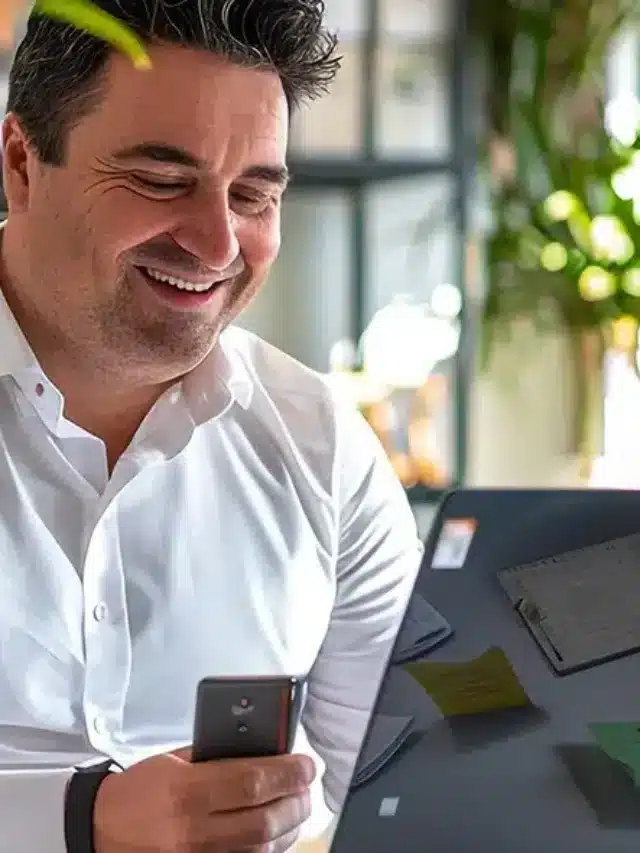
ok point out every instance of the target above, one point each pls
(160, 185)
(244, 203)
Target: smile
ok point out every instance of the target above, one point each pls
(179, 283)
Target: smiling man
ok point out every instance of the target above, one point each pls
(178, 499)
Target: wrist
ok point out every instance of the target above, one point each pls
(102, 835)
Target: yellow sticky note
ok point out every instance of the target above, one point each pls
(486, 683)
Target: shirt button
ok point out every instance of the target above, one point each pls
(100, 611)
(39, 389)
(99, 725)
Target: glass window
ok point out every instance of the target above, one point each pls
(412, 100)
(332, 125)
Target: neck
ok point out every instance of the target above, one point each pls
(113, 414)
(105, 402)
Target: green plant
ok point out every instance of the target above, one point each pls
(567, 214)
(84, 15)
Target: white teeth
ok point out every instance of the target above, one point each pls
(180, 283)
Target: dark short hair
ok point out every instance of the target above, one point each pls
(58, 71)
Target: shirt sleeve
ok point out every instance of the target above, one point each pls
(378, 557)
(32, 809)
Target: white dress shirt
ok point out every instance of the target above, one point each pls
(253, 527)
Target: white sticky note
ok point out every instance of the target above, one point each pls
(388, 807)
(454, 543)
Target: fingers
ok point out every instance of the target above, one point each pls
(252, 805)
(265, 829)
(229, 786)
(183, 754)
(281, 845)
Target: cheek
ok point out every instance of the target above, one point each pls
(260, 241)
(124, 220)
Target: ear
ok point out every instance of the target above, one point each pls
(15, 155)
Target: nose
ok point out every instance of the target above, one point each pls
(210, 233)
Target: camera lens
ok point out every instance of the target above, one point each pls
(242, 728)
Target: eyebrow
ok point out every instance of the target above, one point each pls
(175, 156)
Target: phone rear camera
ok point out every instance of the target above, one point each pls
(242, 728)
(242, 709)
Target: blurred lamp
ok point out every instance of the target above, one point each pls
(343, 356)
(446, 301)
(405, 341)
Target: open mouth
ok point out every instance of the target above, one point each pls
(156, 277)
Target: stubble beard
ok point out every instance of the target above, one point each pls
(172, 340)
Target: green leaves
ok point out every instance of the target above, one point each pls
(546, 103)
(84, 15)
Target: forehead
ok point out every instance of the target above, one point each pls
(224, 114)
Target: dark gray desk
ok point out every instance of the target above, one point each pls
(497, 784)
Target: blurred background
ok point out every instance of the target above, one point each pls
(459, 241)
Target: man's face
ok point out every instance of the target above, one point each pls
(165, 218)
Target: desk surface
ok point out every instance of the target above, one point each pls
(502, 783)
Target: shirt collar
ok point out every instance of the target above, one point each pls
(224, 366)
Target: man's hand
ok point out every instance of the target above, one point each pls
(168, 805)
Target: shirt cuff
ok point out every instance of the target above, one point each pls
(32, 809)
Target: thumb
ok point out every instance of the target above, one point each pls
(183, 754)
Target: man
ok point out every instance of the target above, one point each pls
(179, 499)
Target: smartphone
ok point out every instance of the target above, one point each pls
(246, 717)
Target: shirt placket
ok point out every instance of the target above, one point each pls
(106, 634)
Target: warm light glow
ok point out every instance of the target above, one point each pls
(356, 389)
(561, 205)
(624, 334)
(618, 467)
(446, 300)
(404, 342)
(596, 284)
(554, 257)
(342, 356)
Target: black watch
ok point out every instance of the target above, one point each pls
(80, 799)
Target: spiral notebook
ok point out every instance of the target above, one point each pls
(582, 607)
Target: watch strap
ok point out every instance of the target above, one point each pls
(80, 799)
